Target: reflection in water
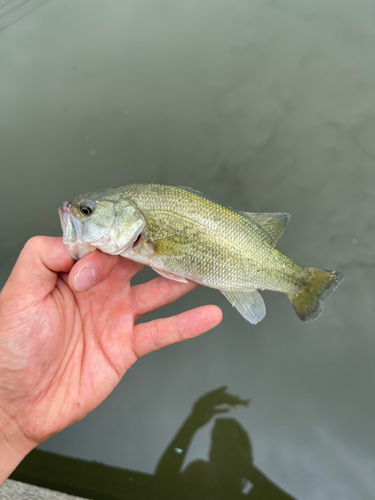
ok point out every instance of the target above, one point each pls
(230, 472)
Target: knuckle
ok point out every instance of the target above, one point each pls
(168, 291)
(35, 243)
(156, 336)
(136, 303)
(178, 327)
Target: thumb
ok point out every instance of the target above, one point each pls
(91, 270)
(37, 266)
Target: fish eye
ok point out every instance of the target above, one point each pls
(86, 208)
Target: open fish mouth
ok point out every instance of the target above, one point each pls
(72, 233)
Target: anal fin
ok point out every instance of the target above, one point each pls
(171, 276)
(249, 303)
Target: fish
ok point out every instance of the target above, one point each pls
(185, 236)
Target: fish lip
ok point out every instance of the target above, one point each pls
(63, 214)
(77, 249)
(62, 206)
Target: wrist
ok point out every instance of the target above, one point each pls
(14, 446)
(197, 420)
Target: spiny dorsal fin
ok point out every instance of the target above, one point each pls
(273, 223)
(199, 193)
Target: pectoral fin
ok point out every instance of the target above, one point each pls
(249, 304)
(172, 246)
(273, 223)
(170, 276)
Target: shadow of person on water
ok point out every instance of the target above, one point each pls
(230, 472)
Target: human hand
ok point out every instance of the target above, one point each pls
(62, 352)
(213, 403)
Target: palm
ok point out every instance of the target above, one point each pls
(69, 350)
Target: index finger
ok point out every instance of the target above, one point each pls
(158, 293)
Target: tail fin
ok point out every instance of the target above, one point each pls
(309, 304)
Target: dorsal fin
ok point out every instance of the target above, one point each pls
(273, 223)
(199, 193)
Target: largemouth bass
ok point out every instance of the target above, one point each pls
(185, 235)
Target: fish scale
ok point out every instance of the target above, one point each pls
(227, 256)
(183, 234)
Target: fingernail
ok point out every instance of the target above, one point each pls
(85, 279)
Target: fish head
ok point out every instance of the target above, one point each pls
(92, 221)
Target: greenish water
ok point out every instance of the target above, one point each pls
(264, 105)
